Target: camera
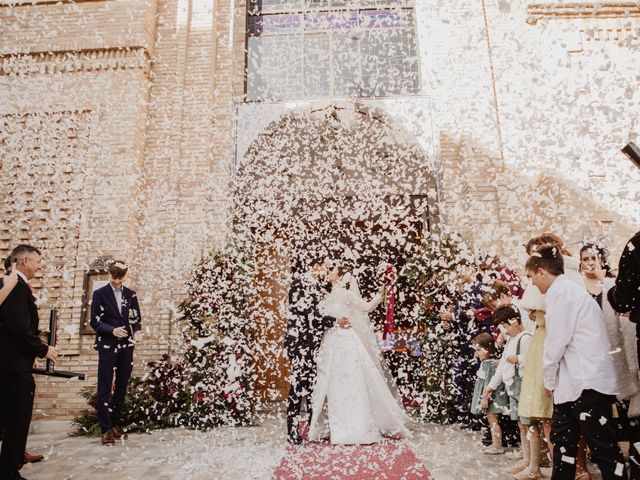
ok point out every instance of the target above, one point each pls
(632, 151)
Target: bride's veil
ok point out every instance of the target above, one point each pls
(361, 325)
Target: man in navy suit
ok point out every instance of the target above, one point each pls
(115, 316)
(19, 346)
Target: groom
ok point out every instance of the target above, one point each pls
(115, 316)
(305, 327)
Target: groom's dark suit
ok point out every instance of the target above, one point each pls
(19, 347)
(305, 328)
(114, 354)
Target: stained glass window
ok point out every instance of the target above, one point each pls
(331, 48)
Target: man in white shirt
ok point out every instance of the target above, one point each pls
(578, 371)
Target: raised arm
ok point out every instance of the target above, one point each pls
(365, 306)
(8, 284)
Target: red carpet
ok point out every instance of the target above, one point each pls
(391, 460)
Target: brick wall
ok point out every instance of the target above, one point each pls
(77, 83)
(566, 108)
(133, 103)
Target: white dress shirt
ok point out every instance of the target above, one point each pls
(118, 294)
(505, 371)
(576, 350)
(23, 277)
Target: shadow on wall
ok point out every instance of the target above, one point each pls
(498, 207)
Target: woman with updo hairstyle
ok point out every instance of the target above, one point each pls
(594, 269)
(357, 388)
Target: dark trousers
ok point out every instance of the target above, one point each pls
(17, 391)
(463, 372)
(510, 431)
(591, 415)
(463, 376)
(634, 455)
(302, 378)
(118, 362)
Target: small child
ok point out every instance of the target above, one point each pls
(499, 295)
(507, 319)
(485, 350)
(578, 370)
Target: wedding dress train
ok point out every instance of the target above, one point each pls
(360, 405)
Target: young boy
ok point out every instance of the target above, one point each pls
(578, 371)
(498, 295)
(507, 319)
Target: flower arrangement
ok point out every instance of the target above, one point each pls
(209, 384)
(432, 275)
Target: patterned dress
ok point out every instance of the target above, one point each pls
(499, 402)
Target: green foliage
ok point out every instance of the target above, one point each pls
(86, 422)
(209, 385)
(432, 276)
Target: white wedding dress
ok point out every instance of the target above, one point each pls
(361, 400)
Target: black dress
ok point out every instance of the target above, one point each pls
(598, 298)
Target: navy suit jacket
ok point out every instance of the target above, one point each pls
(19, 342)
(105, 316)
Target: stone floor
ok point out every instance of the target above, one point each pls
(234, 454)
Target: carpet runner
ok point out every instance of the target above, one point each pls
(390, 460)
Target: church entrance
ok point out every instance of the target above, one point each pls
(342, 181)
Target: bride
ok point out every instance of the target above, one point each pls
(357, 388)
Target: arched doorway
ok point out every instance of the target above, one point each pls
(341, 180)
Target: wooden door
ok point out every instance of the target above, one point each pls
(271, 287)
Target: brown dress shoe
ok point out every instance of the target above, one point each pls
(108, 438)
(118, 433)
(32, 458)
